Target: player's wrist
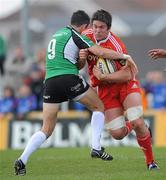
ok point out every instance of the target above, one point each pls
(103, 77)
(126, 56)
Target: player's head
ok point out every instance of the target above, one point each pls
(101, 23)
(80, 19)
(103, 16)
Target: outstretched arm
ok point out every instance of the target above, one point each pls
(107, 53)
(157, 53)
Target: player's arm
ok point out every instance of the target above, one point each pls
(120, 76)
(81, 63)
(84, 43)
(83, 54)
(157, 53)
(111, 54)
(107, 53)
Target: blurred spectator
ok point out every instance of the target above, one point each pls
(2, 54)
(35, 82)
(73, 105)
(36, 77)
(18, 64)
(18, 67)
(159, 96)
(7, 102)
(155, 89)
(26, 102)
(78, 106)
(39, 62)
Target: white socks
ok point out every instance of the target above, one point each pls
(34, 143)
(97, 124)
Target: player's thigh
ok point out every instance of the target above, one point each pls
(92, 101)
(113, 113)
(50, 111)
(134, 110)
(115, 122)
(132, 99)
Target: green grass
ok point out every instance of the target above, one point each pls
(76, 164)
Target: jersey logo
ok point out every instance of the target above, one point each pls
(134, 86)
(46, 97)
(76, 88)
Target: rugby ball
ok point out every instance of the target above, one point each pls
(106, 66)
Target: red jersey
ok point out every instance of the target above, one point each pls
(111, 42)
(111, 94)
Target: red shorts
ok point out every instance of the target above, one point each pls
(113, 95)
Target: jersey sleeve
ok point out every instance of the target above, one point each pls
(82, 41)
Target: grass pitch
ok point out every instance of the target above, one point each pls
(76, 164)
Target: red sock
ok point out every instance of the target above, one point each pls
(128, 127)
(146, 146)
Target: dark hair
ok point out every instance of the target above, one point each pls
(79, 18)
(103, 16)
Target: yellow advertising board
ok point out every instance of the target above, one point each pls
(4, 127)
(11, 132)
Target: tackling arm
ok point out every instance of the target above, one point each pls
(107, 53)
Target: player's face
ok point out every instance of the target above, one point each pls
(100, 30)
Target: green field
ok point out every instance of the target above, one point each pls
(76, 164)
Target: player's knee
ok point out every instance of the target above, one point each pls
(134, 113)
(118, 134)
(138, 124)
(118, 137)
(116, 127)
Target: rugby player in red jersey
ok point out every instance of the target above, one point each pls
(119, 90)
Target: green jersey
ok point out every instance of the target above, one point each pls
(63, 52)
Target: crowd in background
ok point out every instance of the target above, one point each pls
(22, 89)
(23, 78)
(154, 86)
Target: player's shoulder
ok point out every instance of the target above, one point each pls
(113, 35)
(62, 31)
(117, 38)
